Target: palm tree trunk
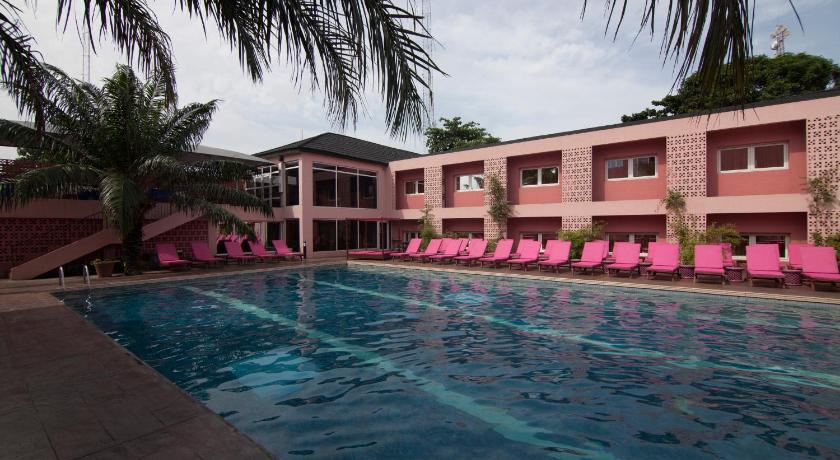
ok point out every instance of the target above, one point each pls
(132, 247)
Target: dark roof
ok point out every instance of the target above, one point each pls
(781, 100)
(345, 146)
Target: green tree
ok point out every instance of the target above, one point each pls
(340, 44)
(708, 35)
(769, 78)
(126, 139)
(456, 134)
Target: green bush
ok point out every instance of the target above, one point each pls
(687, 238)
(831, 240)
(427, 227)
(580, 236)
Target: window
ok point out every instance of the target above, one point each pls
(739, 251)
(337, 186)
(753, 158)
(265, 184)
(540, 176)
(338, 235)
(642, 238)
(631, 168)
(414, 187)
(469, 182)
(292, 183)
(543, 238)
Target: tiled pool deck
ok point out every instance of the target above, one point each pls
(68, 391)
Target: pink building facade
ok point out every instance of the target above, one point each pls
(332, 193)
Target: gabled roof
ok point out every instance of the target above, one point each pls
(346, 147)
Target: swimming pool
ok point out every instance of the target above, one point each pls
(364, 362)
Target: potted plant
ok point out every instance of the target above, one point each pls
(104, 267)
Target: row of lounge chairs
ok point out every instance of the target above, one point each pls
(818, 264)
(168, 257)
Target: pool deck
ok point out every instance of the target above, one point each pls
(742, 289)
(68, 391)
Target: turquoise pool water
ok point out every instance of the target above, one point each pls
(368, 363)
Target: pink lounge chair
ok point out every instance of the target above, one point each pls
(651, 250)
(727, 255)
(259, 251)
(795, 254)
(626, 258)
(284, 251)
(529, 254)
(453, 249)
(476, 251)
(819, 265)
(708, 261)
(234, 252)
(202, 254)
(167, 255)
(557, 256)
(501, 254)
(431, 249)
(763, 263)
(413, 247)
(592, 256)
(549, 247)
(665, 260)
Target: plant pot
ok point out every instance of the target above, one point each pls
(686, 271)
(104, 269)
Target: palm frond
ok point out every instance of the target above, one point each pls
(221, 194)
(184, 127)
(20, 66)
(46, 182)
(699, 33)
(219, 215)
(134, 29)
(122, 202)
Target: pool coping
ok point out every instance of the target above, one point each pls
(602, 282)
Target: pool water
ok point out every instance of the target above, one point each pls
(368, 363)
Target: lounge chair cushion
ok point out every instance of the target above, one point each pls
(766, 274)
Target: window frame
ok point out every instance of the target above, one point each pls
(751, 158)
(632, 238)
(629, 161)
(470, 181)
(416, 186)
(751, 240)
(539, 176)
(357, 173)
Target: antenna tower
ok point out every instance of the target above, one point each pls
(779, 35)
(86, 56)
(429, 44)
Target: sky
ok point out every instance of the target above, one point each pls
(519, 68)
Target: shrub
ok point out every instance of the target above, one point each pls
(831, 240)
(499, 208)
(687, 238)
(580, 236)
(427, 227)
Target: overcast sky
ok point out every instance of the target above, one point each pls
(519, 68)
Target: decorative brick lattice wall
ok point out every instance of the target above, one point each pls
(576, 174)
(433, 192)
(575, 222)
(196, 230)
(696, 222)
(25, 239)
(497, 167)
(685, 158)
(823, 148)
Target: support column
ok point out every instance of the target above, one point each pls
(494, 167)
(823, 153)
(685, 159)
(433, 193)
(576, 184)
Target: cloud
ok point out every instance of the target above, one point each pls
(518, 68)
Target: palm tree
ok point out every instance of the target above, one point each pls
(708, 34)
(126, 139)
(340, 44)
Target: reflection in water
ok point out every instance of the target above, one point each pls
(366, 363)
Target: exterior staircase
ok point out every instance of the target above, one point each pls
(80, 248)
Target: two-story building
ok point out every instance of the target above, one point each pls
(744, 166)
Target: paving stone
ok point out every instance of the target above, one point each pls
(23, 437)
